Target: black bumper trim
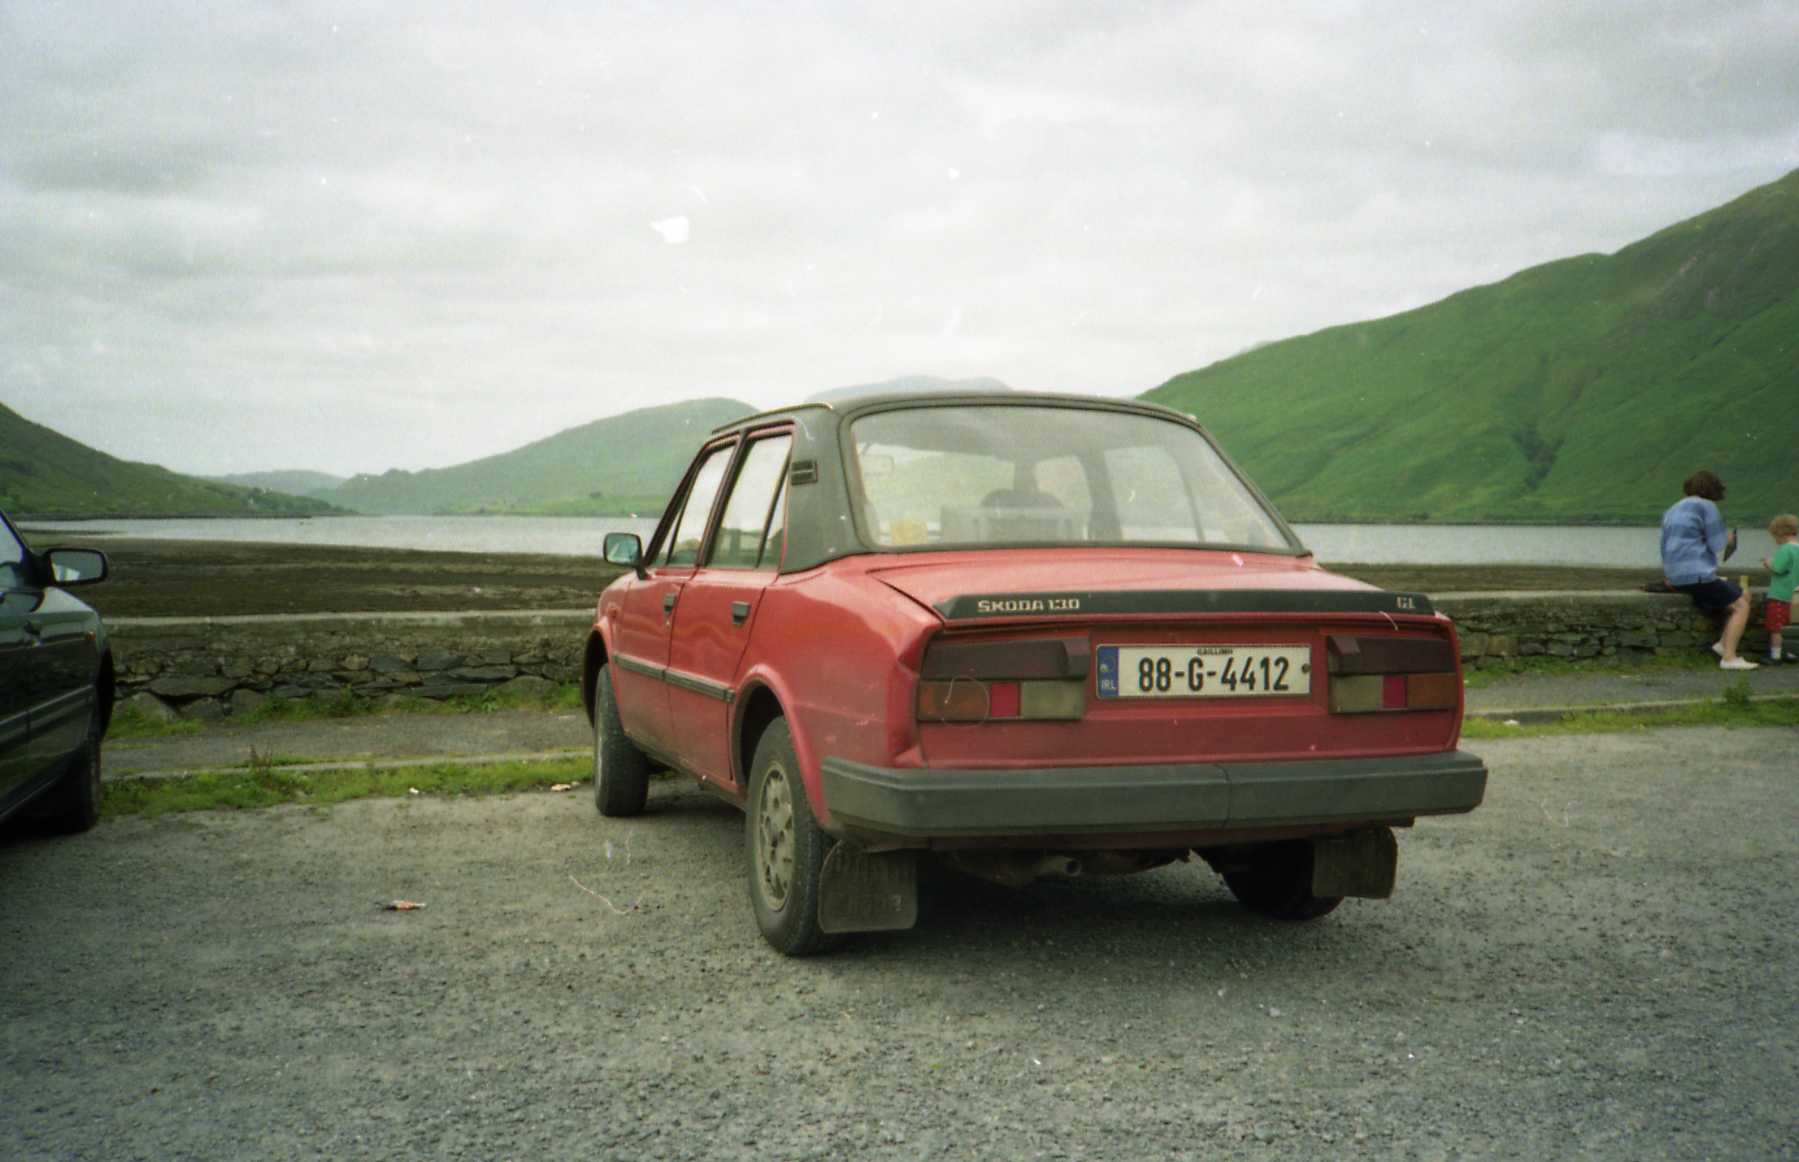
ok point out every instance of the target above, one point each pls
(1163, 797)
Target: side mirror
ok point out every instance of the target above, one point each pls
(75, 566)
(625, 549)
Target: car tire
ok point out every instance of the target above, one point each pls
(73, 804)
(786, 848)
(1275, 880)
(621, 772)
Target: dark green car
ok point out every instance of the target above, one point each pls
(56, 683)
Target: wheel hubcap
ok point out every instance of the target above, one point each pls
(774, 839)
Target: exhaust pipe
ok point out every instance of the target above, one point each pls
(1057, 867)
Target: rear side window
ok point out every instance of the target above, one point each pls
(690, 530)
(743, 530)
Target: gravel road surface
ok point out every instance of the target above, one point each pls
(1600, 962)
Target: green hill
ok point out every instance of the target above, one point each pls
(46, 475)
(1580, 390)
(621, 464)
(296, 481)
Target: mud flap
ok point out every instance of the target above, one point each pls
(859, 892)
(1363, 863)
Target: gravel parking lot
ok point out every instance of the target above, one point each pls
(1600, 962)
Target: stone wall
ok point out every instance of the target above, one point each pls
(1496, 627)
(215, 666)
(208, 667)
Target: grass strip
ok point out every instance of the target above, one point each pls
(268, 784)
(1496, 672)
(130, 722)
(1728, 711)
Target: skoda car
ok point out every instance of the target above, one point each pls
(56, 683)
(1030, 635)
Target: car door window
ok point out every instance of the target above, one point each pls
(12, 560)
(690, 530)
(743, 530)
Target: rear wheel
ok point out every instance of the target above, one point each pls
(786, 848)
(1275, 880)
(73, 804)
(621, 772)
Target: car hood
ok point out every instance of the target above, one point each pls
(1187, 580)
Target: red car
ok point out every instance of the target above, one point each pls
(1034, 635)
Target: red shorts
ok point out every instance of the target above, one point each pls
(1776, 615)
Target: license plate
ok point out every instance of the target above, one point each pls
(1204, 671)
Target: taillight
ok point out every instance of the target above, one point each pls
(1373, 674)
(1035, 679)
(976, 700)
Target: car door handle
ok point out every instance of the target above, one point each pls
(668, 603)
(740, 612)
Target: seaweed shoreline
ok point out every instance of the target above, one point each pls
(171, 578)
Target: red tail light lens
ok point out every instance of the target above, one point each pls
(1369, 675)
(1002, 699)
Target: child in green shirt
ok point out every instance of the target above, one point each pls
(1783, 568)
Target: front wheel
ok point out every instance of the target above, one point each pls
(1275, 880)
(621, 772)
(786, 848)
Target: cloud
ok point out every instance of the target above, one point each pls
(366, 237)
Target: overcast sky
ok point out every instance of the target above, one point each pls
(359, 236)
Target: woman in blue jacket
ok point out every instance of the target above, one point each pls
(1693, 541)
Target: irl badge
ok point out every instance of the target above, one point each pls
(1107, 662)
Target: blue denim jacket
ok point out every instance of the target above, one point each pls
(1692, 538)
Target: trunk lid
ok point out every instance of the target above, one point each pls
(953, 584)
(1116, 615)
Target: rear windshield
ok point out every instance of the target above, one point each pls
(1041, 475)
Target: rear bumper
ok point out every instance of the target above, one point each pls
(1187, 797)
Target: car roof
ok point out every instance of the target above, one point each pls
(848, 408)
(819, 500)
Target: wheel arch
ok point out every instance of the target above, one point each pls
(760, 706)
(595, 655)
(762, 699)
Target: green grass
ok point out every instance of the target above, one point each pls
(268, 784)
(128, 722)
(1542, 666)
(1735, 709)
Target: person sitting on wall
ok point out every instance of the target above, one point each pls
(1693, 540)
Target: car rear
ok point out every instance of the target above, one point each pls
(1136, 717)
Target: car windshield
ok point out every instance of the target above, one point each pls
(1046, 475)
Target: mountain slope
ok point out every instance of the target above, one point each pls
(44, 474)
(627, 463)
(1584, 389)
(295, 481)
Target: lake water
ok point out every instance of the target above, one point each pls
(1627, 548)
